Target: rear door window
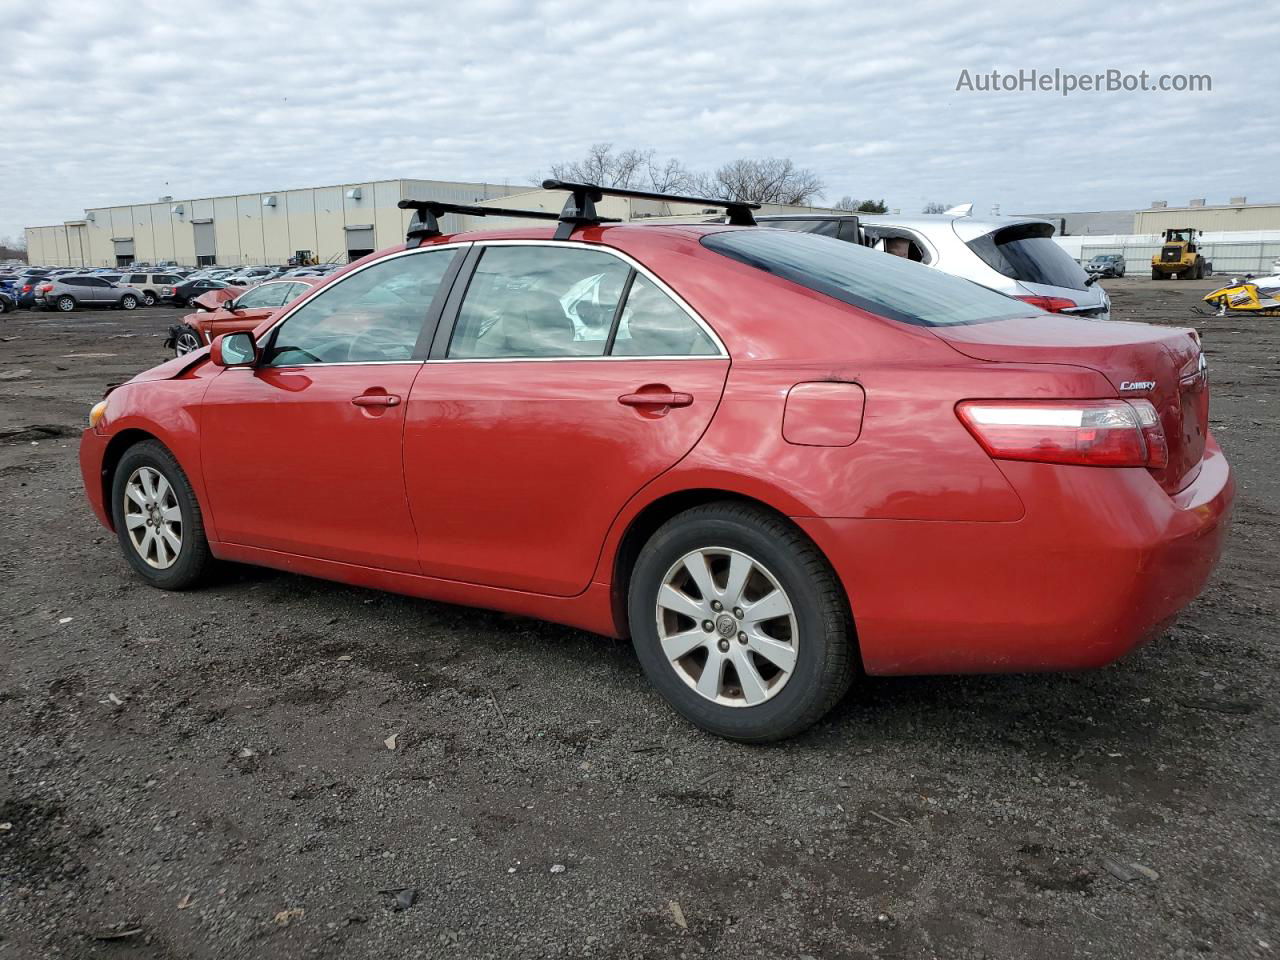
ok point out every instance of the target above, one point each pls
(1028, 252)
(879, 283)
(535, 301)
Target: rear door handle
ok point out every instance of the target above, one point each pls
(376, 400)
(656, 399)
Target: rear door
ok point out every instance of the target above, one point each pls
(562, 380)
(302, 453)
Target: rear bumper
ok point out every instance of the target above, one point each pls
(93, 449)
(1102, 561)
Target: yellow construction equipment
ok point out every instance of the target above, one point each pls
(1179, 256)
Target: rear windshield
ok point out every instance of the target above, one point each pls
(879, 283)
(1027, 252)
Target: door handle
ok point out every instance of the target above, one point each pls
(665, 398)
(376, 400)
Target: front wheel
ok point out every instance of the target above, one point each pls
(157, 518)
(740, 623)
(128, 302)
(186, 342)
(65, 304)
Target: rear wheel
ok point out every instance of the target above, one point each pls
(157, 518)
(1156, 274)
(740, 623)
(128, 302)
(148, 299)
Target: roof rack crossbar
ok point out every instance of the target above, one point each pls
(426, 223)
(583, 197)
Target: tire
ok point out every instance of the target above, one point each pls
(148, 298)
(65, 304)
(128, 302)
(186, 342)
(1156, 274)
(191, 561)
(816, 633)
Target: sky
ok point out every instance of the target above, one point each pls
(109, 103)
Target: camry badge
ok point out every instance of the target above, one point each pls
(1138, 385)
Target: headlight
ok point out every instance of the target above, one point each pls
(97, 412)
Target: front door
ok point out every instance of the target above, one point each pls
(569, 381)
(302, 453)
(249, 309)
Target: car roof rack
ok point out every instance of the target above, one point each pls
(580, 208)
(426, 223)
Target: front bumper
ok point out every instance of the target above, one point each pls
(93, 449)
(1102, 561)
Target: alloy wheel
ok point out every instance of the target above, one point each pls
(152, 517)
(727, 627)
(185, 343)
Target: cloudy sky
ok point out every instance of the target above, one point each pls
(108, 102)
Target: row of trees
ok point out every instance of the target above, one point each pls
(13, 248)
(768, 180)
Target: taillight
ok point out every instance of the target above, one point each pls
(1052, 304)
(1097, 433)
(45, 287)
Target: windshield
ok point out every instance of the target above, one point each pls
(1027, 252)
(877, 282)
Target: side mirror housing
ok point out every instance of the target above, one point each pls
(234, 350)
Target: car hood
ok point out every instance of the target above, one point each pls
(170, 369)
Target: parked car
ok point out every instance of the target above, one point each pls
(1016, 256)
(67, 293)
(242, 312)
(1105, 265)
(23, 291)
(181, 294)
(7, 302)
(251, 275)
(150, 285)
(765, 456)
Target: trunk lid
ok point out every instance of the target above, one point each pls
(1163, 365)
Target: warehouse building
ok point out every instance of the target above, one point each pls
(327, 224)
(1236, 215)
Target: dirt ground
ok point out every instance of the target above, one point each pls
(208, 769)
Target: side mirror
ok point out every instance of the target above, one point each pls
(233, 350)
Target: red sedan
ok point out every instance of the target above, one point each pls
(233, 309)
(768, 458)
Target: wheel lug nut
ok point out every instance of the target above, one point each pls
(742, 638)
(717, 606)
(724, 646)
(737, 612)
(708, 626)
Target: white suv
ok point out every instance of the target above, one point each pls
(1016, 256)
(149, 285)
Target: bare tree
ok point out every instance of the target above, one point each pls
(846, 203)
(933, 206)
(637, 169)
(771, 180)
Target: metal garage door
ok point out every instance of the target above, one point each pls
(359, 241)
(124, 251)
(206, 244)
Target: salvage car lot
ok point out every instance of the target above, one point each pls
(246, 768)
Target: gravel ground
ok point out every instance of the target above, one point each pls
(209, 769)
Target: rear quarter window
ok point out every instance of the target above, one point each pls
(879, 283)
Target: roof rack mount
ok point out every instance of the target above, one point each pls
(579, 209)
